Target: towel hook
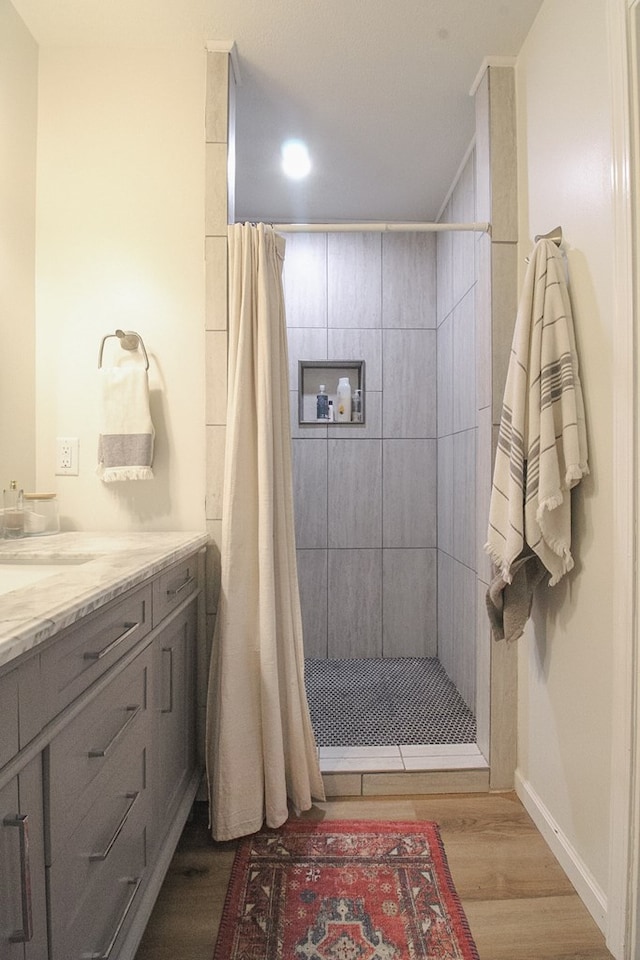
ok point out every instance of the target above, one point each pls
(129, 340)
(555, 235)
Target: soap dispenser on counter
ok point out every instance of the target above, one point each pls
(13, 514)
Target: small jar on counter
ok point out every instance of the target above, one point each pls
(40, 514)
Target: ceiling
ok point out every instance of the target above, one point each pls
(379, 91)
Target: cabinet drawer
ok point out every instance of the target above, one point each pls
(31, 706)
(84, 652)
(95, 879)
(21, 709)
(173, 586)
(83, 756)
(9, 743)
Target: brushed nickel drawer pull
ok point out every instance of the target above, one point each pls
(103, 854)
(99, 654)
(135, 883)
(133, 713)
(169, 709)
(175, 592)
(21, 821)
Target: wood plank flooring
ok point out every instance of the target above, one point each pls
(518, 901)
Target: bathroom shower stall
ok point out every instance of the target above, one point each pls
(386, 530)
(392, 514)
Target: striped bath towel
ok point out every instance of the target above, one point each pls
(125, 445)
(542, 443)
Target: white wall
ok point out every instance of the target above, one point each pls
(18, 123)
(565, 697)
(120, 243)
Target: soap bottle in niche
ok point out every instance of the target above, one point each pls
(13, 511)
(331, 418)
(356, 407)
(322, 404)
(343, 401)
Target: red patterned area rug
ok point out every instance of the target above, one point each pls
(343, 890)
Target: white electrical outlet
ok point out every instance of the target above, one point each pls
(67, 456)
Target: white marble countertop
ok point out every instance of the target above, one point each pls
(97, 568)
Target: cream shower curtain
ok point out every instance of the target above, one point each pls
(260, 744)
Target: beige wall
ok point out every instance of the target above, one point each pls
(120, 240)
(18, 123)
(565, 698)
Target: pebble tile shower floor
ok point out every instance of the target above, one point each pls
(385, 701)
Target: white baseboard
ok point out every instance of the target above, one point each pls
(576, 870)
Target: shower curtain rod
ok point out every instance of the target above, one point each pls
(379, 227)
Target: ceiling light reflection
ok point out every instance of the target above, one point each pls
(296, 161)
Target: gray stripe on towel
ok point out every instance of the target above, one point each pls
(126, 449)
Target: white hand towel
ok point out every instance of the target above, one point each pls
(125, 446)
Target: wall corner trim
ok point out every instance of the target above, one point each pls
(227, 46)
(624, 868)
(565, 853)
(486, 63)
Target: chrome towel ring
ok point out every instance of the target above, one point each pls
(129, 340)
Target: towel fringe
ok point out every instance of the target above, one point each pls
(568, 565)
(575, 473)
(499, 561)
(562, 549)
(549, 503)
(111, 474)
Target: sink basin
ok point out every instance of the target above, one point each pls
(16, 573)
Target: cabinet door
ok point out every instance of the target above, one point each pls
(12, 921)
(23, 920)
(175, 696)
(173, 586)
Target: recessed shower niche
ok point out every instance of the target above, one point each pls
(315, 374)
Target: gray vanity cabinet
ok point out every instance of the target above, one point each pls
(23, 927)
(98, 772)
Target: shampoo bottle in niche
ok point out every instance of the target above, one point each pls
(356, 406)
(343, 401)
(322, 404)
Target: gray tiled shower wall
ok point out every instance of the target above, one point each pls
(458, 532)
(385, 512)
